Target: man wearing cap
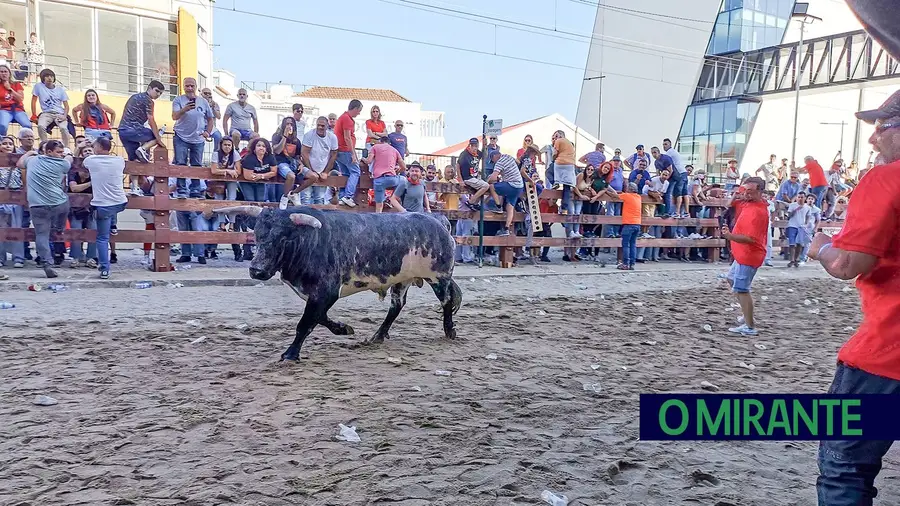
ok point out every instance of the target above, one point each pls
(866, 249)
(632, 161)
(467, 168)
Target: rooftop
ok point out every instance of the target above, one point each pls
(368, 94)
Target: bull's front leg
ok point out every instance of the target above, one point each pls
(337, 328)
(315, 311)
(450, 295)
(398, 300)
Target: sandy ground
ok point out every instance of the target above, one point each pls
(147, 417)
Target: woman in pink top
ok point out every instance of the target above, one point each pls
(383, 161)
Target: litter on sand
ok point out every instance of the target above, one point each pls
(348, 434)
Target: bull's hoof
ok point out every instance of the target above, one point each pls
(293, 356)
(450, 335)
(346, 330)
(377, 338)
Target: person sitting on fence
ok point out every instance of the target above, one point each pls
(243, 117)
(787, 192)
(375, 128)
(347, 161)
(318, 151)
(655, 189)
(467, 164)
(430, 177)
(640, 176)
(107, 171)
(382, 160)
(95, 117)
(286, 146)
(662, 163)
(631, 225)
(82, 217)
(11, 214)
(217, 112)
(54, 106)
(226, 164)
(12, 96)
(194, 123)
(564, 174)
(137, 139)
(508, 182)
(399, 140)
(410, 193)
(258, 165)
(47, 202)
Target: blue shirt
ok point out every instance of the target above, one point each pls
(398, 141)
(632, 178)
(634, 160)
(788, 189)
(618, 179)
(664, 162)
(192, 124)
(595, 158)
(51, 99)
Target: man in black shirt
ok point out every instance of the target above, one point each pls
(467, 168)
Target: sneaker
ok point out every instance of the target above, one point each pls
(142, 155)
(238, 257)
(183, 260)
(575, 235)
(545, 260)
(473, 207)
(49, 272)
(136, 192)
(294, 199)
(213, 255)
(104, 274)
(201, 260)
(504, 232)
(113, 230)
(113, 258)
(285, 200)
(181, 196)
(347, 201)
(196, 196)
(19, 265)
(801, 264)
(145, 261)
(744, 330)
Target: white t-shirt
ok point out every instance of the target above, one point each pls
(107, 173)
(320, 148)
(676, 159)
(656, 185)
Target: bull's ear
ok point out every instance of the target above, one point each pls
(305, 220)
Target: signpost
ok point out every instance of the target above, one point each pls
(493, 127)
(484, 127)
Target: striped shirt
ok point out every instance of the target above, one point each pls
(509, 171)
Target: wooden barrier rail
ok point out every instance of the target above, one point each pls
(160, 204)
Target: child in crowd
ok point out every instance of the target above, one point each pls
(631, 225)
(798, 214)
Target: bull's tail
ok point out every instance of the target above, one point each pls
(455, 295)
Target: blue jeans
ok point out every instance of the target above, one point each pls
(613, 209)
(819, 192)
(105, 217)
(314, 195)
(382, 184)
(253, 192)
(674, 181)
(650, 253)
(86, 223)
(568, 203)
(186, 221)
(93, 133)
(629, 243)
(217, 138)
(133, 139)
(202, 224)
(345, 164)
(188, 154)
(7, 117)
(847, 469)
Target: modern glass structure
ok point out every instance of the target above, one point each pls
(717, 130)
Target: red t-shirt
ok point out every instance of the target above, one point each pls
(872, 227)
(344, 123)
(7, 101)
(816, 174)
(375, 126)
(752, 221)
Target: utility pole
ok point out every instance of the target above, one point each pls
(801, 12)
(599, 101)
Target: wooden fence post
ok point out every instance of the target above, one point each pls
(161, 211)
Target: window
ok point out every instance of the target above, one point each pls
(201, 81)
(117, 52)
(67, 31)
(12, 18)
(201, 32)
(160, 48)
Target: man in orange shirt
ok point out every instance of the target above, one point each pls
(818, 184)
(748, 237)
(631, 225)
(868, 249)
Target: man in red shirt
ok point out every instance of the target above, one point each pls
(347, 161)
(818, 184)
(748, 246)
(868, 249)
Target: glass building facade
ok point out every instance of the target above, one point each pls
(717, 130)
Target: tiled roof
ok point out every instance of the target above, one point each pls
(458, 147)
(364, 94)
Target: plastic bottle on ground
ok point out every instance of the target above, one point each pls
(141, 285)
(553, 499)
(7, 305)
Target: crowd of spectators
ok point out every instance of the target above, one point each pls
(290, 165)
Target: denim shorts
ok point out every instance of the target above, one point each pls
(791, 233)
(509, 192)
(288, 168)
(245, 134)
(382, 184)
(741, 277)
(681, 186)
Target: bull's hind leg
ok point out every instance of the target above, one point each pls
(450, 295)
(398, 300)
(313, 314)
(335, 327)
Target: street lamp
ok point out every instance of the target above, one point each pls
(842, 125)
(801, 12)
(599, 100)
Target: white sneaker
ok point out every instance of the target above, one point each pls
(740, 320)
(575, 235)
(136, 191)
(145, 261)
(285, 199)
(347, 201)
(294, 199)
(744, 330)
(142, 155)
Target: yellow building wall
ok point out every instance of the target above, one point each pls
(187, 45)
(162, 108)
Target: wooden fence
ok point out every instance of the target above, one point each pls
(160, 204)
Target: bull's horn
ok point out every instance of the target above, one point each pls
(248, 210)
(305, 219)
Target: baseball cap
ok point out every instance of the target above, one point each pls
(889, 109)
(473, 140)
(616, 159)
(639, 146)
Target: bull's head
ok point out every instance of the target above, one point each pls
(270, 242)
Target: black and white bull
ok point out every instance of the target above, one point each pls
(324, 255)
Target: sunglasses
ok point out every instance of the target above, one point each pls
(887, 126)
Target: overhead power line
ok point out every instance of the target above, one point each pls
(640, 13)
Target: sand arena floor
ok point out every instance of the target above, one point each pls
(147, 417)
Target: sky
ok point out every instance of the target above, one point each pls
(463, 84)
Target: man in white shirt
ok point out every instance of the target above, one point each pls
(656, 188)
(680, 180)
(107, 172)
(318, 151)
